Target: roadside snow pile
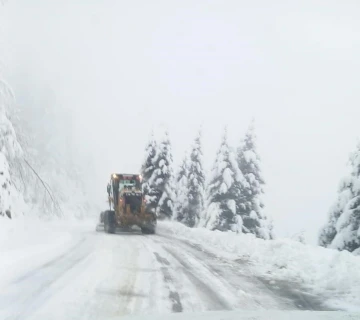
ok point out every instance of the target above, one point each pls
(28, 243)
(330, 273)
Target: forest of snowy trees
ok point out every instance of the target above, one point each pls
(37, 178)
(342, 230)
(230, 198)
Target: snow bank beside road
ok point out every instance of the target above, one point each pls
(332, 274)
(26, 244)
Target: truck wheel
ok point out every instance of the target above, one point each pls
(106, 223)
(109, 221)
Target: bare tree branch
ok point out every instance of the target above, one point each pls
(45, 186)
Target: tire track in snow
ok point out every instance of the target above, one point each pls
(211, 297)
(289, 292)
(127, 292)
(173, 295)
(48, 264)
(194, 293)
(289, 295)
(104, 286)
(30, 291)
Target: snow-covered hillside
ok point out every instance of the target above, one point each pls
(40, 173)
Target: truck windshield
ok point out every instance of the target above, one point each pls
(127, 183)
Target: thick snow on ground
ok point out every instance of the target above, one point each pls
(65, 270)
(329, 273)
(28, 243)
(252, 315)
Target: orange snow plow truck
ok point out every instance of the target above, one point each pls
(127, 206)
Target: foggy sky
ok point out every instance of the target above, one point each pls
(123, 68)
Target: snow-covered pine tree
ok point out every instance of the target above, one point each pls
(196, 184)
(221, 205)
(345, 193)
(181, 203)
(10, 151)
(161, 192)
(343, 229)
(147, 171)
(165, 167)
(5, 181)
(249, 203)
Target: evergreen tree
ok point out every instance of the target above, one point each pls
(161, 192)
(343, 228)
(221, 212)
(181, 205)
(147, 171)
(10, 151)
(345, 193)
(148, 166)
(196, 184)
(5, 191)
(249, 203)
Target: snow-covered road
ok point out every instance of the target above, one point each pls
(102, 276)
